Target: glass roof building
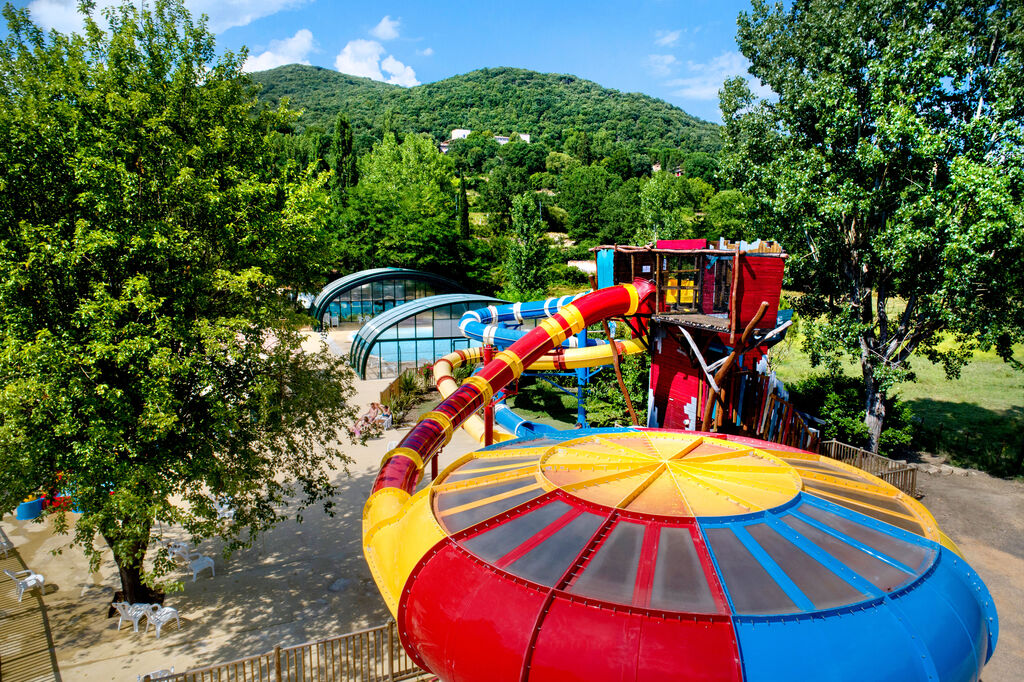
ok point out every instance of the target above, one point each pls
(362, 295)
(413, 334)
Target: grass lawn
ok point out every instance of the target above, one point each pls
(977, 419)
(537, 401)
(541, 402)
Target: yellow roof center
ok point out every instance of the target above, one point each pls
(670, 474)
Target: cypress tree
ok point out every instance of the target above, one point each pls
(343, 157)
(463, 209)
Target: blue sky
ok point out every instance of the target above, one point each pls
(676, 50)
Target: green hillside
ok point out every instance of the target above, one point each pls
(545, 105)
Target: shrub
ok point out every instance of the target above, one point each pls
(839, 401)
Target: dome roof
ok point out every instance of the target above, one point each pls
(668, 555)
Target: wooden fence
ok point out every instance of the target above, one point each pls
(782, 423)
(393, 389)
(898, 474)
(372, 655)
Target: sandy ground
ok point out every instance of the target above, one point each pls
(985, 517)
(308, 581)
(302, 582)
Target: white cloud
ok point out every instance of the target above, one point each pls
(667, 37)
(224, 15)
(63, 14)
(660, 64)
(400, 73)
(707, 79)
(387, 29)
(294, 50)
(58, 14)
(361, 58)
(426, 52)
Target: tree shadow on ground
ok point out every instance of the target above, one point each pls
(26, 640)
(301, 582)
(972, 436)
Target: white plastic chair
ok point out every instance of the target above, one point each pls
(132, 612)
(224, 509)
(180, 551)
(158, 616)
(6, 546)
(200, 562)
(156, 674)
(26, 580)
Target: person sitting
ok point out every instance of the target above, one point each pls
(386, 418)
(366, 420)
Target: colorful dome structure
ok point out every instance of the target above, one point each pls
(653, 554)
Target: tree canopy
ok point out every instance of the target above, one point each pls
(149, 363)
(890, 164)
(526, 256)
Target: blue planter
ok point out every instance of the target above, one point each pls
(29, 510)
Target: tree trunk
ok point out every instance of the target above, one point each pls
(874, 407)
(129, 558)
(132, 587)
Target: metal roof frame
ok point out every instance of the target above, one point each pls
(366, 338)
(357, 279)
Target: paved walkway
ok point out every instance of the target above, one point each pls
(26, 645)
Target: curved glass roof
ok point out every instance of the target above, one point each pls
(413, 333)
(357, 279)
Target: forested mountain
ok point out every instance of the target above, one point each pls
(547, 106)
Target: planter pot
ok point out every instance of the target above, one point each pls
(29, 510)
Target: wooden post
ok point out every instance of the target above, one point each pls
(727, 365)
(277, 663)
(391, 647)
(618, 373)
(734, 314)
(489, 407)
(615, 361)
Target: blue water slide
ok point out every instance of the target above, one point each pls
(500, 326)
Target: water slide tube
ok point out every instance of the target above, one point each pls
(395, 540)
(488, 325)
(492, 326)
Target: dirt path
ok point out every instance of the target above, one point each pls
(985, 517)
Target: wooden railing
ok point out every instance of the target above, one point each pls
(898, 474)
(782, 423)
(374, 654)
(392, 389)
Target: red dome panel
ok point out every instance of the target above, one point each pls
(695, 648)
(447, 616)
(632, 646)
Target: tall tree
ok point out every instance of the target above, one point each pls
(402, 212)
(148, 364)
(891, 163)
(579, 145)
(505, 183)
(581, 192)
(343, 159)
(668, 207)
(464, 230)
(527, 254)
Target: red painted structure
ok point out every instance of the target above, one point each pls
(706, 294)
